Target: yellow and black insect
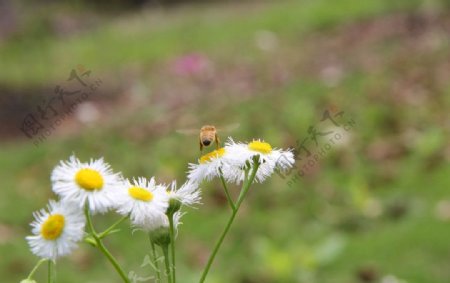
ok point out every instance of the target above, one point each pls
(208, 134)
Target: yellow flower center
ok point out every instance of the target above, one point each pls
(260, 146)
(211, 155)
(89, 179)
(52, 227)
(140, 194)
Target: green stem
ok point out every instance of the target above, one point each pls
(51, 277)
(30, 276)
(155, 261)
(172, 246)
(106, 232)
(102, 247)
(89, 221)
(167, 263)
(217, 246)
(230, 200)
(113, 261)
(245, 187)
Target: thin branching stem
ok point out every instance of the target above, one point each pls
(102, 247)
(51, 277)
(245, 187)
(30, 276)
(165, 249)
(114, 225)
(227, 193)
(172, 246)
(155, 260)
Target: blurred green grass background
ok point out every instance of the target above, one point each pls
(375, 209)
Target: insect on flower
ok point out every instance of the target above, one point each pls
(208, 134)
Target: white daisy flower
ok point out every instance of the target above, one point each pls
(188, 194)
(241, 155)
(208, 166)
(232, 160)
(92, 182)
(143, 200)
(57, 231)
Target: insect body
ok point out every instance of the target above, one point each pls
(208, 134)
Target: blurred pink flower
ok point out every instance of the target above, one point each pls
(191, 64)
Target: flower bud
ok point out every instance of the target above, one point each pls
(174, 206)
(160, 236)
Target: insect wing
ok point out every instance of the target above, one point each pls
(228, 128)
(188, 131)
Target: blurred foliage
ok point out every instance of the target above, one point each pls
(375, 208)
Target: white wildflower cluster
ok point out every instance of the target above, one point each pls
(95, 186)
(88, 188)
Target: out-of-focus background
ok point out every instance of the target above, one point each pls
(118, 78)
